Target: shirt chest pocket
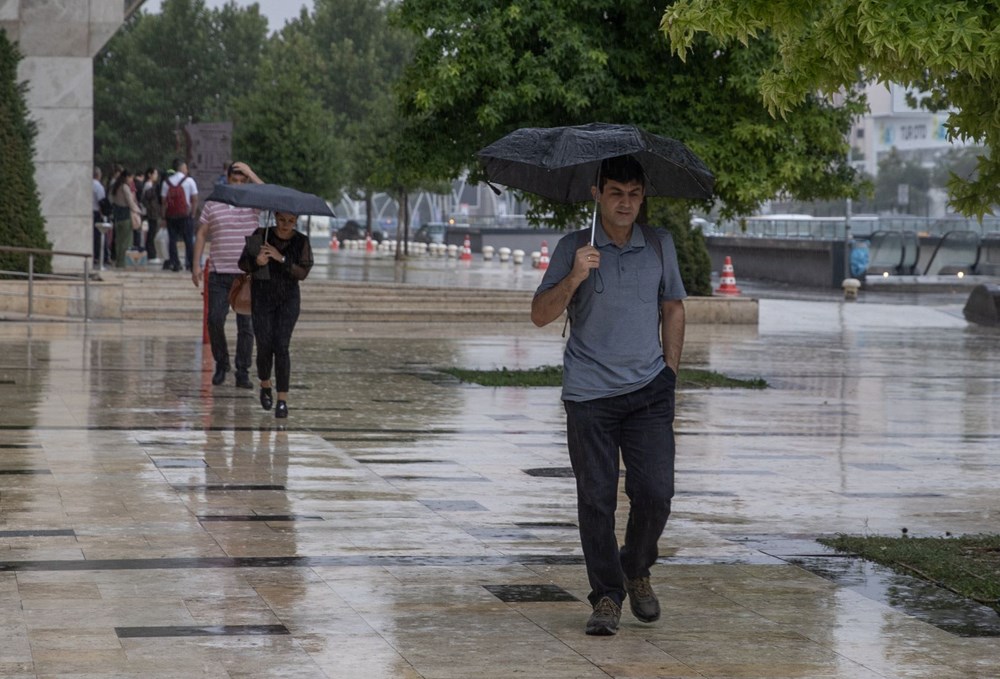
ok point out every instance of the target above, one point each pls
(647, 282)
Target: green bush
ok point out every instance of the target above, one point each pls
(692, 251)
(21, 222)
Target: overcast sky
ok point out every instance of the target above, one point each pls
(276, 11)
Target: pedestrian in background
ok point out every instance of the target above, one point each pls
(226, 227)
(278, 258)
(150, 200)
(619, 377)
(125, 214)
(179, 195)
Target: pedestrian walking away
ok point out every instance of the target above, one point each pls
(623, 296)
(226, 228)
(278, 258)
(179, 195)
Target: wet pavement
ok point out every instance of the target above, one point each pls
(403, 524)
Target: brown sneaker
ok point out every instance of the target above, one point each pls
(603, 621)
(641, 599)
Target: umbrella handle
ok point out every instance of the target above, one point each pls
(593, 225)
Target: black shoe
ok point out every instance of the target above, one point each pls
(243, 381)
(642, 600)
(220, 374)
(281, 410)
(265, 398)
(603, 621)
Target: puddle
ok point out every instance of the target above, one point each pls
(918, 598)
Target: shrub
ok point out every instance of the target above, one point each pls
(21, 222)
(692, 251)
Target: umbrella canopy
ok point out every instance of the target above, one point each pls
(273, 197)
(561, 163)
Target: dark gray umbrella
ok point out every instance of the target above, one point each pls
(561, 163)
(273, 197)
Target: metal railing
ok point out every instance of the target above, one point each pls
(833, 228)
(32, 276)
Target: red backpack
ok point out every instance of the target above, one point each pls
(177, 202)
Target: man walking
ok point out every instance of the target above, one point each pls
(179, 196)
(619, 376)
(226, 228)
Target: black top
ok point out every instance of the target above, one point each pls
(275, 275)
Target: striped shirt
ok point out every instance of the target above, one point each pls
(228, 228)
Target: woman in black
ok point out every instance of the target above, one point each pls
(278, 258)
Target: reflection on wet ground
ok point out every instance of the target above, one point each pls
(403, 524)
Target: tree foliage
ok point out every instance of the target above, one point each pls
(949, 49)
(287, 133)
(161, 71)
(354, 57)
(21, 223)
(483, 69)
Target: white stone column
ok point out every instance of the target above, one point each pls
(58, 39)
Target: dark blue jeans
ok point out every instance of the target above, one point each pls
(218, 308)
(641, 426)
(178, 228)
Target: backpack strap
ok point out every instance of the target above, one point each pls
(651, 237)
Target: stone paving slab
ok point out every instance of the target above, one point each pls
(152, 525)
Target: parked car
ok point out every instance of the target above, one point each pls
(431, 232)
(352, 230)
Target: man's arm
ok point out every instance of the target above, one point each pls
(672, 332)
(199, 245)
(244, 169)
(549, 305)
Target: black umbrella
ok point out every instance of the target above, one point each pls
(273, 197)
(561, 163)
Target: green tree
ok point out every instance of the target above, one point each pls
(287, 133)
(161, 71)
(21, 222)
(948, 49)
(356, 56)
(483, 69)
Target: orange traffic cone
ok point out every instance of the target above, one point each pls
(727, 281)
(369, 245)
(543, 261)
(466, 250)
(334, 243)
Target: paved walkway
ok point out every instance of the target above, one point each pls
(405, 525)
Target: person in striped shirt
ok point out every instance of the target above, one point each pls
(226, 228)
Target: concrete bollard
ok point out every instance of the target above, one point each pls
(487, 253)
(536, 257)
(518, 256)
(453, 250)
(504, 254)
(851, 287)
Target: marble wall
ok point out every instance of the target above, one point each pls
(59, 39)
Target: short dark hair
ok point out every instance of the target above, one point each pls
(622, 169)
(231, 169)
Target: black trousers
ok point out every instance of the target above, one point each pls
(274, 317)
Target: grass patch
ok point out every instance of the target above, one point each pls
(551, 376)
(968, 565)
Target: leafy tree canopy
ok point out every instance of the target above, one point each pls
(162, 70)
(949, 49)
(352, 56)
(483, 69)
(287, 133)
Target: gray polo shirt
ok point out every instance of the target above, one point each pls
(614, 343)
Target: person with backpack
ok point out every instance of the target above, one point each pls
(623, 296)
(179, 196)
